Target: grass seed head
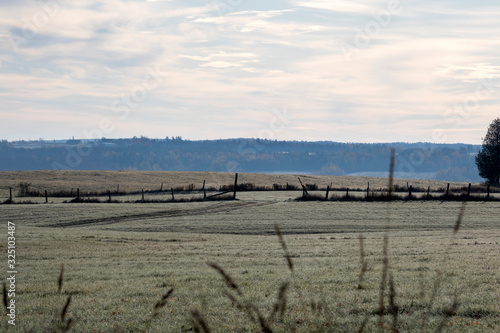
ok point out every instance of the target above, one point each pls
(65, 308)
(283, 245)
(60, 280)
(229, 281)
(460, 217)
(391, 173)
(199, 323)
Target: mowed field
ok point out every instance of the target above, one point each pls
(121, 259)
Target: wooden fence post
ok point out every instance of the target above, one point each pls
(448, 190)
(410, 190)
(117, 188)
(78, 194)
(428, 192)
(235, 184)
(327, 192)
(304, 190)
(468, 191)
(10, 194)
(142, 194)
(488, 189)
(204, 191)
(368, 190)
(109, 195)
(347, 193)
(46, 197)
(173, 198)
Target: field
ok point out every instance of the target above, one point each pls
(121, 259)
(152, 180)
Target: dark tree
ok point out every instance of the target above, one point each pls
(488, 159)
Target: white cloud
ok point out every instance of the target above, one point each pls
(227, 69)
(221, 64)
(469, 73)
(339, 5)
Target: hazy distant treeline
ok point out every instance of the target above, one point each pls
(453, 162)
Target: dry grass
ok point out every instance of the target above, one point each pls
(127, 257)
(135, 181)
(349, 266)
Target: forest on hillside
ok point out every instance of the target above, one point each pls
(451, 162)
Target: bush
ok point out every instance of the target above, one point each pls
(311, 187)
(25, 190)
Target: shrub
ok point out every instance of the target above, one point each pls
(25, 190)
(311, 187)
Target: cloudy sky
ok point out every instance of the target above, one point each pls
(341, 70)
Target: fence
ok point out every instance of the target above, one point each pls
(228, 192)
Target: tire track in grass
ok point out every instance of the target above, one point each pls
(216, 208)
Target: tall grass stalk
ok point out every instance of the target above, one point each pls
(285, 249)
(60, 279)
(438, 280)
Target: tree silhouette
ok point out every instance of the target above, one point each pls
(488, 159)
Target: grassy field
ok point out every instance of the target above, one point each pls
(120, 259)
(152, 180)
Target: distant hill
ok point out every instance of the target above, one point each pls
(448, 162)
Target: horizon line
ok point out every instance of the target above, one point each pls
(241, 138)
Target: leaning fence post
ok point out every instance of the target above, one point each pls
(327, 192)
(204, 191)
(304, 190)
(235, 184)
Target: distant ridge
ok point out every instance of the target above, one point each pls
(448, 162)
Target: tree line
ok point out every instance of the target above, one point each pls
(451, 162)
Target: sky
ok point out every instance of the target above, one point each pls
(348, 71)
